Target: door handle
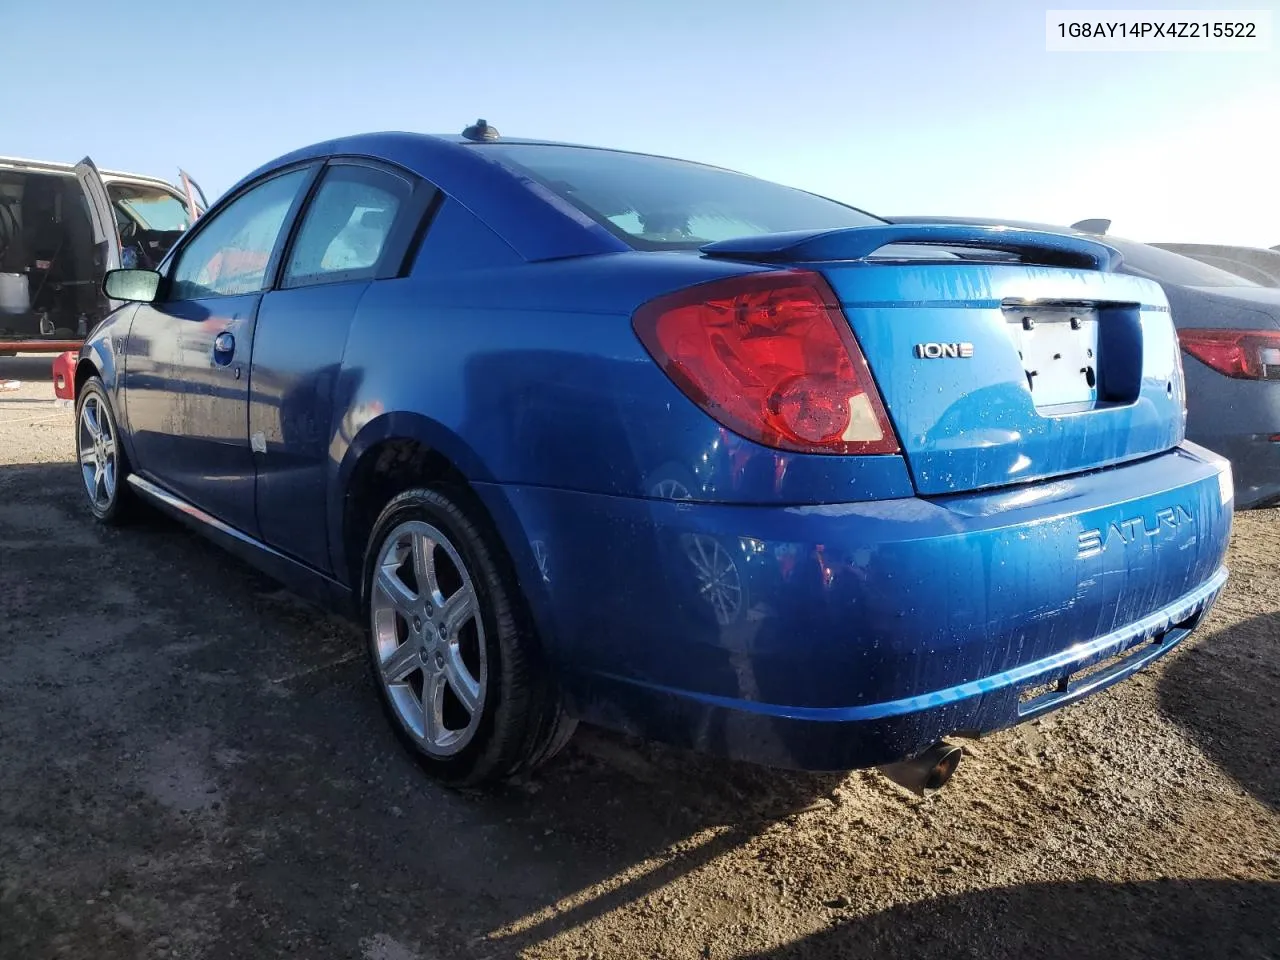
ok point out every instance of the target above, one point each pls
(224, 343)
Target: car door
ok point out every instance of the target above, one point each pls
(186, 379)
(106, 238)
(356, 228)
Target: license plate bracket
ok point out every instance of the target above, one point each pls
(1059, 350)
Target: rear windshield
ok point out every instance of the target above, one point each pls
(1168, 267)
(656, 203)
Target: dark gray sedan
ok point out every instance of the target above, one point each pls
(1252, 263)
(1230, 328)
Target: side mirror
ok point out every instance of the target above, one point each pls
(139, 286)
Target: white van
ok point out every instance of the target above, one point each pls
(62, 227)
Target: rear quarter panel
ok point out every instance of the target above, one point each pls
(532, 374)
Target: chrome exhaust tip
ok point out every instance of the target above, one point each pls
(928, 772)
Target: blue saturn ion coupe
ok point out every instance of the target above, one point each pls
(583, 434)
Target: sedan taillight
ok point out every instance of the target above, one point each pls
(1242, 354)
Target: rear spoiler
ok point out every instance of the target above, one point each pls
(859, 243)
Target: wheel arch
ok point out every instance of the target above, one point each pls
(85, 368)
(388, 454)
(97, 359)
(392, 454)
(98, 356)
(395, 453)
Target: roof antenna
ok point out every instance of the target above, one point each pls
(481, 130)
(1099, 227)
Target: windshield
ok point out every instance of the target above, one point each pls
(1168, 267)
(149, 207)
(660, 203)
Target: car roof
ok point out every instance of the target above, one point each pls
(1226, 250)
(537, 222)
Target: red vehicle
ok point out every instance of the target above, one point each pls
(62, 226)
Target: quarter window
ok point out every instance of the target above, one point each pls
(231, 253)
(345, 230)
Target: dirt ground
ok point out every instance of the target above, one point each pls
(193, 765)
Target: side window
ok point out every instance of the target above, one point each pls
(346, 227)
(230, 254)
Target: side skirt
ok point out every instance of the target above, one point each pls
(306, 582)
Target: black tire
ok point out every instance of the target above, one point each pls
(119, 505)
(521, 723)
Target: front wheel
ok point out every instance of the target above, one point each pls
(104, 467)
(451, 647)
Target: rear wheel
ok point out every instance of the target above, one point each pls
(104, 468)
(451, 647)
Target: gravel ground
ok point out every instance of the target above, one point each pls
(192, 764)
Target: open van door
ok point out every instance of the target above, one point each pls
(191, 188)
(106, 237)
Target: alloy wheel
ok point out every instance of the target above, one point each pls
(428, 637)
(98, 450)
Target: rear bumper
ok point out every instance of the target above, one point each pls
(846, 738)
(848, 635)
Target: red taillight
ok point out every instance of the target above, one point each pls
(771, 357)
(1244, 354)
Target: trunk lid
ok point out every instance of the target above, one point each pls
(1002, 355)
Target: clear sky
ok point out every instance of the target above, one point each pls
(908, 107)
